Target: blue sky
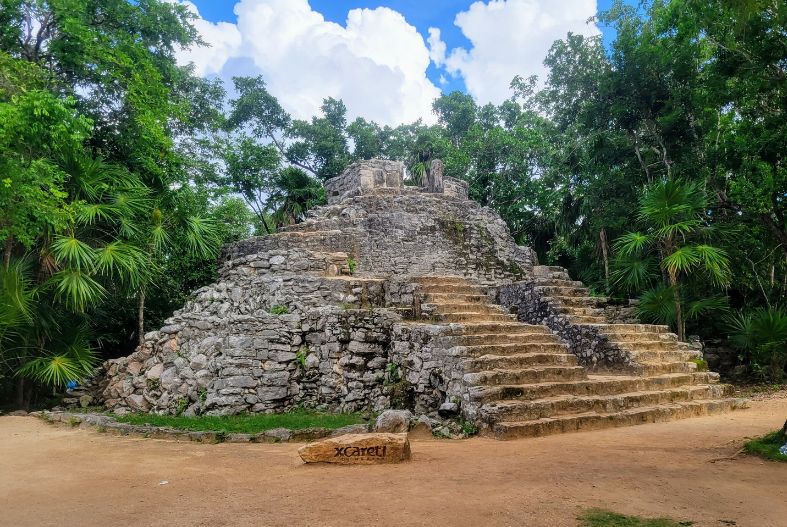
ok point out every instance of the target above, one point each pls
(387, 60)
(423, 14)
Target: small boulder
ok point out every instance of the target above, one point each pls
(422, 429)
(393, 421)
(448, 409)
(358, 449)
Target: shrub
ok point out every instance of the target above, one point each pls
(762, 335)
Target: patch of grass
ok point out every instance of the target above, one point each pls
(768, 446)
(246, 423)
(280, 310)
(602, 518)
(702, 364)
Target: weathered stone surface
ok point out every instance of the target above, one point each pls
(393, 421)
(358, 449)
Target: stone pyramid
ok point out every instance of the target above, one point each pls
(414, 297)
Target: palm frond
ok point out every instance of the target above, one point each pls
(632, 243)
(633, 273)
(122, 260)
(716, 263)
(202, 236)
(72, 252)
(76, 288)
(682, 260)
(657, 305)
(705, 306)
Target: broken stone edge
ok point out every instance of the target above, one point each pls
(108, 424)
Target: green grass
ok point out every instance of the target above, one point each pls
(602, 518)
(767, 446)
(247, 423)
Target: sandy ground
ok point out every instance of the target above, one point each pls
(59, 476)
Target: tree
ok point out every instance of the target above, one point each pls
(673, 248)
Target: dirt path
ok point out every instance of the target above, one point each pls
(59, 476)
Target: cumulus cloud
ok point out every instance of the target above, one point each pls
(509, 38)
(376, 62)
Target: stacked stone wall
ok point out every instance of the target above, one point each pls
(593, 349)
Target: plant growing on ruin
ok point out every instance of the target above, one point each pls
(183, 403)
(352, 265)
(300, 357)
(280, 310)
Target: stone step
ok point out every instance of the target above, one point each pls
(541, 345)
(518, 361)
(441, 280)
(475, 317)
(614, 329)
(579, 310)
(559, 282)
(647, 344)
(596, 421)
(580, 301)
(467, 308)
(587, 319)
(465, 289)
(640, 336)
(664, 355)
(553, 291)
(525, 375)
(560, 405)
(593, 385)
(461, 298)
(551, 268)
(659, 368)
(500, 339)
(497, 328)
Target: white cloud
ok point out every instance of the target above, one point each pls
(376, 62)
(509, 38)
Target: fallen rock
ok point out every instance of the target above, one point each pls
(393, 421)
(358, 449)
(448, 409)
(422, 429)
(350, 429)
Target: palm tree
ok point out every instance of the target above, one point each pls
(292, 194)
(671, 249)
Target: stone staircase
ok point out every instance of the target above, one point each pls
(523, 380)
(652, 348)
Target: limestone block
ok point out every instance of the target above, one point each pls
(358, 449)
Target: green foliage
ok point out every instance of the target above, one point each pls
(762, 335)
(352, 265)
(247, 423)
(183, 403)
(280, 310)
(602, 518)
(768, 446)
(671, 252)
(300, 357)
(702, 365)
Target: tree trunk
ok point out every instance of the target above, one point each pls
(9, 246)
(141, 317)
(602, 236)
(678, 308)
(20, 393)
